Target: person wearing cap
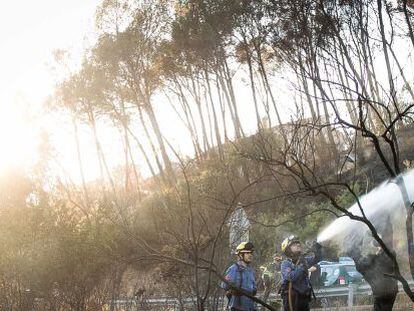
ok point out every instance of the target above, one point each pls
(241, 275)
(296, 289)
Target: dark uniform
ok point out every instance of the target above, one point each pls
(296, 289)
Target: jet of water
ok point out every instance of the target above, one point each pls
(384, 207)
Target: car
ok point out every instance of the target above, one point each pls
(338, 273)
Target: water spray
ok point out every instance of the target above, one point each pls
(385, 207)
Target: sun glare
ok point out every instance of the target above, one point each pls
(17, 138)
(26, 50)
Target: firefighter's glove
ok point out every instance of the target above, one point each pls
(254, 292)
(316, 246)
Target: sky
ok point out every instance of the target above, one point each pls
(29, 33)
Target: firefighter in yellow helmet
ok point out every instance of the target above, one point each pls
(296, 289)
(241, 275)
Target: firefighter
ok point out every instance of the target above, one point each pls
(241, 275)
(271, 277)
(296, 289)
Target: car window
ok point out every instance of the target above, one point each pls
(332, 273)
(352, 271)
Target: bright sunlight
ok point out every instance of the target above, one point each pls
(206, 155)
(30, 31)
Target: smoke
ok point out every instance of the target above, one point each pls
(384, 207)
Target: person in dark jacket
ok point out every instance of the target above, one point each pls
(296, 289)
(241, 275)
(377, 270)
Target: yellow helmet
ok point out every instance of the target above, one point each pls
(288, 242)
(244, 247)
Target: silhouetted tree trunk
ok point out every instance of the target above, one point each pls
(80, 162)
(251, 77)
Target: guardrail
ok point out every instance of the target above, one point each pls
(349, 291)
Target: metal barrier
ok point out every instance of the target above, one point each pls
(349, 291)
